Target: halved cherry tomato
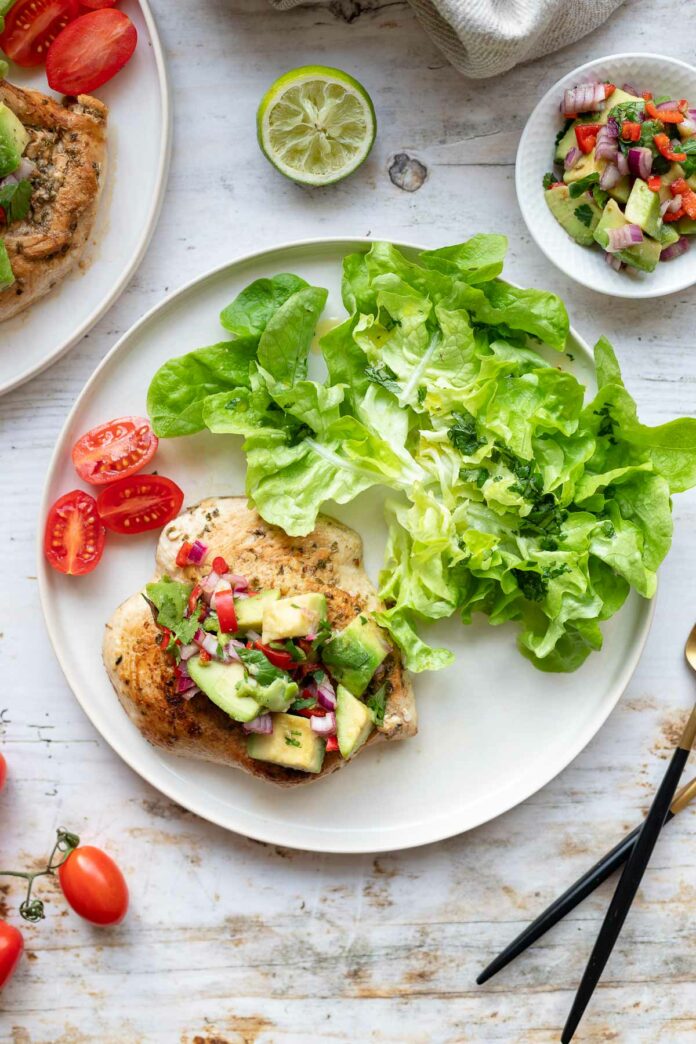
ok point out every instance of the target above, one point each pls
(280, 659)
(114, 450)
(74, 535)
(3, 771)
(94, 886)
(224, 607)
(331, 744)
(11, 949)
(31, 26)
(92, 50)
(139, 503)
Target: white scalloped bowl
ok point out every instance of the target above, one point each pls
(586, 265)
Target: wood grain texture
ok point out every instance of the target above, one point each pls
(231, 941)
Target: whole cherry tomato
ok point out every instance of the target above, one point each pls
(11, 949)
(94, 886)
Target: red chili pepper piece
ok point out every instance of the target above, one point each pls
(664, 147)
(193, 598)
(586, 136)
(204, 656)
(609, 89)
(224, 607)
(666, 115)
(654, 183)
(630, 131)
(331, 744)
(278, 658)
(182, 555)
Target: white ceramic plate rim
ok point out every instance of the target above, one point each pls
(177, 791)
(148, 227)
(639, 291)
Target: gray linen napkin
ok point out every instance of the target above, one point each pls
(485, 37)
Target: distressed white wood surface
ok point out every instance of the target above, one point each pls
(232, 941)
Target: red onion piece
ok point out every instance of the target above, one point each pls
(206, 641)
(675, 249)
(253, 636)
(622, 163)
(181, 670)
(325, 726)
(667, 106)
(326, 695)
(184, 684)
(208, 585)
(190, 693)
(612, 127)
(187, 651)
(609, 176)
(626, 236)
(585, 97)
(237, 582)
(630, 89)
(640, 162)
(572, 156)
(263, 724)
(671, 206)
(231, 651)
(613, 262)
(687, 127)
(197, 553)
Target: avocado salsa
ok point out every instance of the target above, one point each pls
(628, 180)
(297, 688)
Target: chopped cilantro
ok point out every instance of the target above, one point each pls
(562, 131)
(377, 702)
(261, 669)
(627, 112)
(549, 179)
(463, 434)
(170, 601)
(689, 164)
(584, 213)
(599, 196)
(15, 199)
(302, 704)
(292, 742)
(576, 188)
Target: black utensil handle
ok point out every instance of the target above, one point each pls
(557, 910)
(625, 890)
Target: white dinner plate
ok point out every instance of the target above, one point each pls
(646, 72)
(493, 729)
(139, 140)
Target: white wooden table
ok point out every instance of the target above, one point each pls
(229, 940)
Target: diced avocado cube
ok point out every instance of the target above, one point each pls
(13, 140)
(668, 235)
(621, 190)
(691, 182)
(674, 172)
(6, 273)
(580, 226)
(354, 722)
(220, 681)
(249, 611)
(276, 696)
(292, 744)
(293, 617)
(567, 142)
(585, 165)
(643, 255)
(354, 654)
(643, 209)
(686, 227)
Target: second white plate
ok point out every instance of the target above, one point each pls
(139, 140)
(493, 729)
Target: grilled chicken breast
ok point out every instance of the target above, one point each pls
(68, 147)
(329, 560)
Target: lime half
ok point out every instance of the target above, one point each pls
(316, 124)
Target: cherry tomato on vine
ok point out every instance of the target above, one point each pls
(139, 503)
(94, 886)
(11, 949)
(74, 535)
(90, 51)
(31, 26)
(114, 450)
(3, 771)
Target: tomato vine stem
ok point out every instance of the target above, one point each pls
(33, 909)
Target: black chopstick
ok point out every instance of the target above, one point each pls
(579, 890)
(630, 879)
